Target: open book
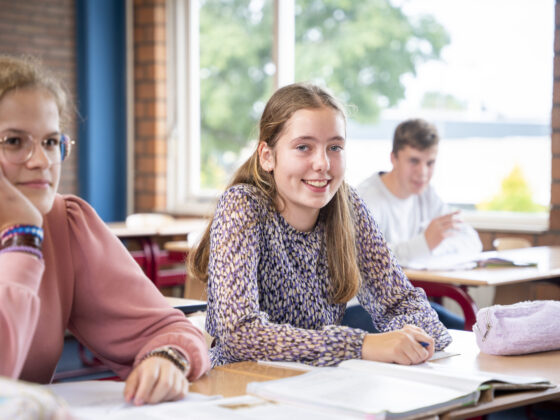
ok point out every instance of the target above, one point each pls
(384, 390)
(503, 262)
(466, 262)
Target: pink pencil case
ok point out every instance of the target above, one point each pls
(524, 327)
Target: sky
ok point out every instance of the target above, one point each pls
(500, 56)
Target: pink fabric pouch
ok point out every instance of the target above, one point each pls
(524, 327)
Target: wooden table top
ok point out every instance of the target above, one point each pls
(231, 380)
(177, 246)
(547, 259)
(182, 226)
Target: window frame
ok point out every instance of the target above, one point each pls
(183, 97)
(183, 115)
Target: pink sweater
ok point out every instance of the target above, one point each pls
(89, 284)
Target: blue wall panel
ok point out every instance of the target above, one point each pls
(101, 35)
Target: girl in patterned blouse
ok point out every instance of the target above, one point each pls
(291, 243)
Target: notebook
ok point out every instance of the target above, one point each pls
(377, 390)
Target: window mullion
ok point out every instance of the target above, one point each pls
(284, 42)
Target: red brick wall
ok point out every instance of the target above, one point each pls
(150, 154)
(45, 29)
(555, 187)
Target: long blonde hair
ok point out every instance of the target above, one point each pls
(338, 213)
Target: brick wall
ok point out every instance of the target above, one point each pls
(45, 29)
(150, 154)
(555, 143)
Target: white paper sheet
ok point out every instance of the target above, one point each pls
(104, 400)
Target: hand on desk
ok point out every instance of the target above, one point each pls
(155, 380)
(400, 346)
(440, 228)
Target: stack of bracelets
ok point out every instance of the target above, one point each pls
(22, 238)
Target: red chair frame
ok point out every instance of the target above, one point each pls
(457, 293)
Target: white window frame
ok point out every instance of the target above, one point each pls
(183, 97)
(183, 108)
(183, 114)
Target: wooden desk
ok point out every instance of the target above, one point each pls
(231, 380)
(453, 283)
(545, 364)
(177, 246)
(546, 257)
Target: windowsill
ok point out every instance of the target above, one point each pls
(480, 220)
(507, 221)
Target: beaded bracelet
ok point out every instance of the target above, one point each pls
(22, 229)
(170, 354)
(27, 249)
(22, 238)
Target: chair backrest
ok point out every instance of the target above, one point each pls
(501, 244)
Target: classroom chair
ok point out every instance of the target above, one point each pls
(164, 268)
(459, 295)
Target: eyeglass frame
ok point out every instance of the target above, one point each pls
(65, 145)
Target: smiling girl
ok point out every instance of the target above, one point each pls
(291, 243)
(61, 268)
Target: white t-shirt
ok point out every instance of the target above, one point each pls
(403, 222)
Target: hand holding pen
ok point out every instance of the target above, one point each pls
(408, 346)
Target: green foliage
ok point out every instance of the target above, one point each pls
(515, 195)
(358, 49)
(361, 50)
(235, 47)
(438, 100)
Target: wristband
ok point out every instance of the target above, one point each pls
(25, 239)
(22, 229)
(170, 354)
(27, 249)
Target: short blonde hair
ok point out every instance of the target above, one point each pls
(27, 73)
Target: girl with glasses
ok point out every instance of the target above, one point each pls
(291, 243)
(61, 268)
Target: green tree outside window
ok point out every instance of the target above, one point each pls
(360, 50)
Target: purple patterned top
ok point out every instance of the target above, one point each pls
(268, 287)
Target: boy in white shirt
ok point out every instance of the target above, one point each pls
(416, 223)
(414, 220)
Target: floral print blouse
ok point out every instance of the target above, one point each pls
(268, 287)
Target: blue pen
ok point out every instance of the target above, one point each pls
(424, 344)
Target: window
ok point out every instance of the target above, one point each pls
(490, 95)
(223, 65)
(466, 66)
